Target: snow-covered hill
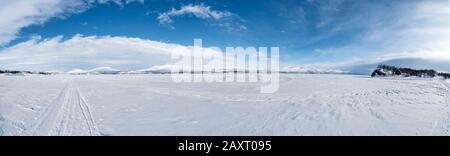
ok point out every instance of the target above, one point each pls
(359, 68)
(154, 105)
(307, 69)
(367, 68)
(99, 70)
(311, 70)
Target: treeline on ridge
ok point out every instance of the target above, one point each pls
(388, 70)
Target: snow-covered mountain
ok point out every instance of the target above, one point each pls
(104, 70)
(286, 69)
(76, 72)
(311, 70)
(363, 68)
(99, 70)
(154, 69)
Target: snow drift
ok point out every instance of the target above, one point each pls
(317, 104)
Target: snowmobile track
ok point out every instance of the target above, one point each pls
(68, 114)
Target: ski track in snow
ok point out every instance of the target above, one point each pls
(69, 114)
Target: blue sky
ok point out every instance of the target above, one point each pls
(254, 24)
(307, 31)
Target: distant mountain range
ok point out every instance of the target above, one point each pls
(355, 68)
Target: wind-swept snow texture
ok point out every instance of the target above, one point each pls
(154, 105)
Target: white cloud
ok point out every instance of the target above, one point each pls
(90, 52)
(422, 27)
(17, 14)
(82, 51)
(199, 11)
(406, 29)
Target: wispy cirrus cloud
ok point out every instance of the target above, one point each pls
(384, 30)
(199, 11)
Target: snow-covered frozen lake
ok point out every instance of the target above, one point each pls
(154, 105)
